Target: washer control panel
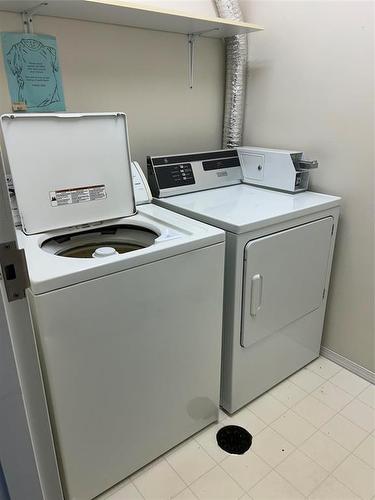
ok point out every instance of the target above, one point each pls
(185, 173)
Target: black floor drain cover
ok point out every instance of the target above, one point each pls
(234, 439)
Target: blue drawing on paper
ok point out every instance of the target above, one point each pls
(33, 71)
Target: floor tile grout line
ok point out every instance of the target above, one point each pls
(332, 474)
(193, 493)
(333, 409)
(135, 486)
(309, 392)
(201, 475)
(339, 412)
(258, 456)
(301, 416)
(338, 480)
(281, 401)
(235, 480)
(329, 473)
(368, 406)
(187, 488)
(340, 463)
(163, 457)
(321, 402)
(267, 423)
(295, 447)
(208, 453)
(320, 427)
(361, 442)
(342, 389)
(259, 480)
(329, 362)
(330, 407)
(305, 419)
(343, 416)
(127, 481)
(349, 452)
(297, 489)
(316, 431)
(370, 384)
(139, 472)
(217, 464)
(326, 379)
(274, 466)
(273, 469)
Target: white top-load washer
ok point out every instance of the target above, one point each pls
(126, 300)
(279, 250)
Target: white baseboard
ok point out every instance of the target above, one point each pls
(349, 365)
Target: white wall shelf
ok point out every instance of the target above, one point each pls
(132, 15)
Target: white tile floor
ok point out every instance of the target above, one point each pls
(313, 437)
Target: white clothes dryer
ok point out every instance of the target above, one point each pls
(279, 250)
(125, 300)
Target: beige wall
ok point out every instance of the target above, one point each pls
(140, 72)
(311, 88)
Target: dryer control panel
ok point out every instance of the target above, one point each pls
(186, 173)
(175, 175)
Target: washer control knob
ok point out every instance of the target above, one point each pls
(104, 252)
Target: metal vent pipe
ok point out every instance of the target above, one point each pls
(235, 76)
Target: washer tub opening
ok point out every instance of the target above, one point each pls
(82, 245)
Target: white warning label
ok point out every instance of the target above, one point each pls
(77, 195)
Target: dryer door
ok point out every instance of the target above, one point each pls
(284, 278)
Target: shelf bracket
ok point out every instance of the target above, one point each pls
(191, 40)
(27, 17)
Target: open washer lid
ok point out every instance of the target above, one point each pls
(68, 169)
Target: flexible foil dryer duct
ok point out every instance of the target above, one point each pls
(235, 76)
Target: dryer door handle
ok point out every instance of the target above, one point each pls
(256, 294)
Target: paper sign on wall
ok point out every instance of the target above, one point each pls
(33, 72)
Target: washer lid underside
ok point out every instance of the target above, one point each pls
(80, 165)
